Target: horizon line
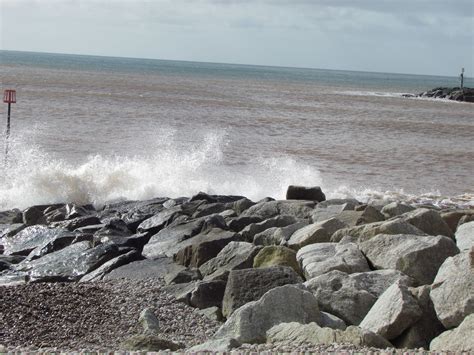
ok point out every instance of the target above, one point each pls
(225, 63)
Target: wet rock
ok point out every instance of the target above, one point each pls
(76, 223)
(365, 232)
(114, 227)
(452, 291)
(35, 214)
(9, 230)
(319, 232)
(289, 303)
(235, 255)
(11, 217)
(465, 236)
(393, 312)
(312, 333)
(244, 286)
(351, 296)
(416, 256)
(429, 221)
(241, 205)
(68, 264)
(196, 251)
(459, 339)
(276, 255)
(159, 220)
(202, 196)
(305, 193)
(320, 258)
(101, 271)
(136, 241)
(212, 208)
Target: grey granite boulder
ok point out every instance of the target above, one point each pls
(416, 256)
(144, 269)
(312, 333)
(355, 218)
(269, 209)
(249, 232)
(207, 294)
(452, 291)
(394, 209)
(289, 303)
(235, 255)
(351, 296)
(331, 208)
(459, 339)
(465, 236)
(277, 255)
(420, 333)
(393, 312)
(246, 285)
(149, 321)
(429, 221)
(320, 258)
(101, 271)
(319, 232)
(159, 220)
(278, 235)
(313, 193)
(365, 232)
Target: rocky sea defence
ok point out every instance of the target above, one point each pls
(223, 273)
(456, 94)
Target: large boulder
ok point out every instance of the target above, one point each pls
(416, 256)
(244, 286)
(355, 218)
(312, 333)
(276, 255)
(394, 209)
(196, 251)
(319, 232)
(331, 208)
(289, 303)
(235, 255)
(459, 339)
(452, 291)
(351, 296)
(101, 271)
(155, 223)
(11, 217)
(313, 193)
(144, 269)
(365, 232)
(393, 312)
(278, 235)
(452, 218)
(429, 221)
(427, 327)
(207, 294)
(33, 237)
(69, 263)
(465, 236)
(320, 258)
(269, 209)
(251, 230)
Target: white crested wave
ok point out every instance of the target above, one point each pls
(405, 95)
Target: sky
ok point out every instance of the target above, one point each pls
(399, 36)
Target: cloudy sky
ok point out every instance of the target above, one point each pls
(401, 36)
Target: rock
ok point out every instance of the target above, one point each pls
(315, 233)
(158, 221)
(276, 256)
(457, 94)
(100, 272)
(452, 218)
(362, 233)
(278, 235)
(305, 193)
(244, 286)
(215, 198)
(207, 294)
(235, 255)
(78, 222)
(144, 269)
(35, 214)
(331, 208)
(33, 237)
(331, 321)
(465, 236)
(184, 275)
(238, 223)
(429, 221)
(136, 241)
(196, 251)
(9, 230)
(452, 291)
(249, 323)
(312, 333)
(208, 209)
(6, 261)
(68, 264)
(144, 342)
(459, 339)
(213, 313)
(393, 312)
(320, 258)
(149, 321)
(222, 345)
(465, 219)
(251, 230)
(419, 334)
(170, 240)
(269, 209)
(416, 256)
(11, 217)
(241, 205)
(114, 227)
(351, 296)
(394, 209)
(355, 218)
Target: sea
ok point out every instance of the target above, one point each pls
(90, 129)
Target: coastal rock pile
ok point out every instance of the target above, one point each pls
(304, 272)
(457, 94)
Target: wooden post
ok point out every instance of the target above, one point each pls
(9, 97)
(462, 78)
